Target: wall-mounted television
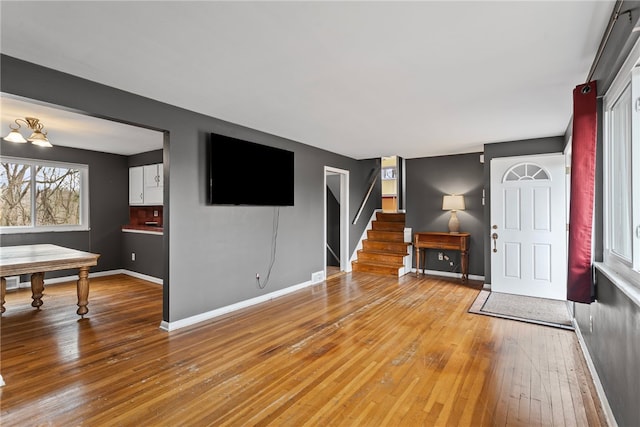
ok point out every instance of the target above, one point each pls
(246, 173)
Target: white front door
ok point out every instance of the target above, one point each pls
(528, 248)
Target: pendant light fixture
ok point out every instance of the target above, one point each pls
(38, 136)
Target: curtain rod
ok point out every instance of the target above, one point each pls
(603, 43)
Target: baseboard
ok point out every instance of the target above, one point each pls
(143, 277)
(608, 413)
(182, 323)
(65, 279)
(449, 274)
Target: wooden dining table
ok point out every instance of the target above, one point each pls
(38, 259)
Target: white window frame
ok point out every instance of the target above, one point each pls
(629, 74)
(84, 198)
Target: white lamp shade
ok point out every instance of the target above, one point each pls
(453, 203)
(15, 136)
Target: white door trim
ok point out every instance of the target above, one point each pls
(345, 265)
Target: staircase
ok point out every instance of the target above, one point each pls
(384, 250)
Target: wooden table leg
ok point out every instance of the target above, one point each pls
(37, 287)
(417, 261)
(83, 291)
(3, 291)
(464, 263)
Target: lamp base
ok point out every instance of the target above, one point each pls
(454, 224)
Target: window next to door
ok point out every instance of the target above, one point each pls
(622, 175)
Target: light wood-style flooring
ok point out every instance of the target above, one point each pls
(356, 350)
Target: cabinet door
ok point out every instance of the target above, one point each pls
(136, 186)
(153, 188)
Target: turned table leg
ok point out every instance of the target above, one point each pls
(37, 287)
(3, 291)
(465, 266)
(83, 291)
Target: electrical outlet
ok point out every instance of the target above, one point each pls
(133, 256)
(440, 256)
(155, 213)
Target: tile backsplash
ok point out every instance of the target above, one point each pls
(145, 215)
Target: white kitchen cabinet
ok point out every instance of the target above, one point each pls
(136, 186)
(153, 184)
(146, 186)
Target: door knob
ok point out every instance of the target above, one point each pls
(494, 236)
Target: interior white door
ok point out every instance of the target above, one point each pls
(528, 246)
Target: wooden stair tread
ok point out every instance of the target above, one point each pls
(381, 252)
(388, 241)
(386, 264)
(384, 246)
(389, 216)
(385, 235)
(376, 268)
(384, 250)
(388, 226)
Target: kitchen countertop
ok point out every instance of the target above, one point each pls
(146, 229)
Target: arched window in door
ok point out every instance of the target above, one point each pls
(526, 172)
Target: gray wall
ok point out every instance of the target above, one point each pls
(108, 204)
(333, 220)
(614, 345)
(427, 180)
(147, 158)
(149, 254)
(508, 149)
(212, 253)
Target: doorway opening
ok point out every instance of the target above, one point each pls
(392, 179)
(336, 221)
(142, 255)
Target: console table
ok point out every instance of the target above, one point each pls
(36, 259)
(437, 240)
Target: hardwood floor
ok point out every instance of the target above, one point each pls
(332, 271)
(358, 349)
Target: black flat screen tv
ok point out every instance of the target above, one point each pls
(246, 173)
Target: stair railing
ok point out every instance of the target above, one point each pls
(333, 254)
(372, 182)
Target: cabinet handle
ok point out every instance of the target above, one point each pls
(141, 196)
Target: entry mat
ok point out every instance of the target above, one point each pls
(541, 311)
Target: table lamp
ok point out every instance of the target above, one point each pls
(453, 203)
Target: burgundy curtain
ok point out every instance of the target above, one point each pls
(583, 168)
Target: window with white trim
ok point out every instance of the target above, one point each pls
(41, 195)
(622, 175)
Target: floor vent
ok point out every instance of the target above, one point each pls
(317, 277)
(13, 282)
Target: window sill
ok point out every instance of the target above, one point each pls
(622, 283)
(26, 230)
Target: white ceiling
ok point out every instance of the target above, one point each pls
(71, 129)
(360, 78)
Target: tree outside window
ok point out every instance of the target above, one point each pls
(56, 202)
